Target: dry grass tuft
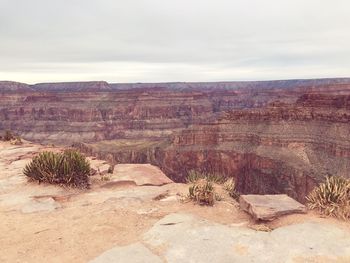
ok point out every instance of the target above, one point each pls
(230, 187)
(202, 192)
(193, 176)
(202, 188)
(332, 198)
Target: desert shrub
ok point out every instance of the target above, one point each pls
(8, 136)
(331, 198)
(202, 192)
(230, 187)
(197, 179)
(69, 168)
(193, 176)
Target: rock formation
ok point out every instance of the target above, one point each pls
(147, 223)
(269, 207)
(273, 136)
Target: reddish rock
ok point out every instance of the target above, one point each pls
(269, 207)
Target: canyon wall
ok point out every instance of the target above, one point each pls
(272, 136)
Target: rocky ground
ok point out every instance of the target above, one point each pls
(136, 215)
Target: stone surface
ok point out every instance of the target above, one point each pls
(269, 207)
(135, 253)
(140, 174)
(46, 204)
(190, 239)
(128, 196)
(16, 193)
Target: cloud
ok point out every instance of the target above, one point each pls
(164, 40)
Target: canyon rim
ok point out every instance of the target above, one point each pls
(273, 137)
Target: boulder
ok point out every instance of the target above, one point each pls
(269, 207)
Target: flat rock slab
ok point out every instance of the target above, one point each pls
(140, 174)
(135, 253)
(126, 198)
(187, 238)
(269, 207)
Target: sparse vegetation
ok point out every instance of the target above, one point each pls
(202, 192)
(202, 188)
(332, 198)
(230, 187)
(193, 176)
(69, 168)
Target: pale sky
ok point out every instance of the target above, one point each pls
(173, 40)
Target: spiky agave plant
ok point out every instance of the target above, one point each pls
(69, 168)
(44, 167)
(331, 198)
(76, 168)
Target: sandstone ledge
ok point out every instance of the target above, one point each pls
(269, 207)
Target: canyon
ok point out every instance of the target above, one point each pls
(273, 137)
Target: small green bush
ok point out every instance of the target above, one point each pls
(69, 168)
(331, 198)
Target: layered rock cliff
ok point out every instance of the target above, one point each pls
(273, 136)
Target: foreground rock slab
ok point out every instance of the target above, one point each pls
(135, 253)
(140, 174)
(269, 207)
(187, 238)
